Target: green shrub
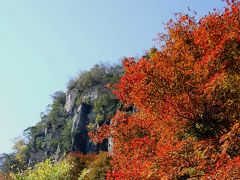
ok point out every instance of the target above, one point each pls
(90, 127)
(78, 101)
(46, 171)
(66, 135)
(105, 106)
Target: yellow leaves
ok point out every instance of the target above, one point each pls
(46, 171)
(20, 149)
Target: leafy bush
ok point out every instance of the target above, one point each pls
(66, 135)
(4, 176)
(46, 171)
(105, 106)
(57, 108)
(79, 162)
(100, 74)
(98, 169)
(20, 148)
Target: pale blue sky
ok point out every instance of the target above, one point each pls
(45, 43)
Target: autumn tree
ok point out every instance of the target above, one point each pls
(186, 95)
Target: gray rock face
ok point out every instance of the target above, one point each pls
(1, 160)
(70, 99)
(80, 139)
(79, 129)
(36, 157)
(58, 154)
(110, 144)
(90, 95)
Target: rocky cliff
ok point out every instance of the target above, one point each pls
(64, 126)
(85, 106)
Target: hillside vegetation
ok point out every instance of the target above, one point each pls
(174, 113)
(63, 129)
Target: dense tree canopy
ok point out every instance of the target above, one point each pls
(179, 115)
(187, 100)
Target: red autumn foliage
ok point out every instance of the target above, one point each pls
(187, 96)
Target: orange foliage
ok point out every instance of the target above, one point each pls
(5, 177)
(187, 100)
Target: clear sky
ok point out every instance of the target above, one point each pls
(45, 43)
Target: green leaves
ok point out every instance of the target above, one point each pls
(46, 171)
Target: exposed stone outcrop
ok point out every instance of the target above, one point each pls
(37, 156)
(90, 95)
(1, 160)
(70, 99)
(59, 153)
(65, 124)
(80, 139)
(79, 128)
(80, 116)
(110, 144)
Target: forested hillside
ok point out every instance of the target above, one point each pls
(64, 126)
(173, 113)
